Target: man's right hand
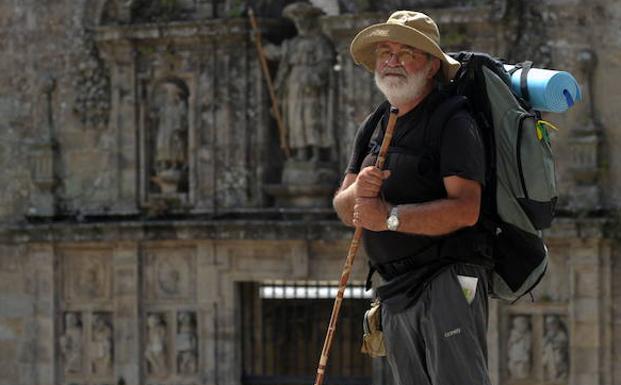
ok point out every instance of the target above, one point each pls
(369, 182)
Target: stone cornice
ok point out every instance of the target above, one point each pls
(347, 25)
(563, 229)
(213, 29)
(182, 230)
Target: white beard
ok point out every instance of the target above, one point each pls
(402, 89)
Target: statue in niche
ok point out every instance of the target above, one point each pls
(519, 348)
(555, 350)
(155, 350)
(71, 343)
(101, 346)
(302, 83)
(170, 119)
(186, 343)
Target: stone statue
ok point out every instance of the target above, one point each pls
(555, 350)
(519, 348)
(186, 344)
(155, 350)
(302, 83)
(71, 343)
(171, 120)
(101, 346)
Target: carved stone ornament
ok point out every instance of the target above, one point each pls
(92, 84)
(169, 274)
(42, 156)
(101, 347)
(186, 343)
(519, 348)
(585, 141)
(156, 350)
(168, 279)
(91, 282)
(555, 349)
(71, 344)
(88, 276)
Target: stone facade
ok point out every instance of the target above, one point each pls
(139, 161)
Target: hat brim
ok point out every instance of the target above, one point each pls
(362, 47)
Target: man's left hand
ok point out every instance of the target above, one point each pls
(370, 213)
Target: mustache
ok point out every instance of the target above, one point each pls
(394, 71)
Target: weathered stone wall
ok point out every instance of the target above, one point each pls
(93, 231)
(616, 314)
(161, 270)
(73, 113)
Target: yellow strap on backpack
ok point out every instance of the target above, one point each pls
(542, 132)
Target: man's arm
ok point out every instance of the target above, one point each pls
(344, 198)
(459, 209)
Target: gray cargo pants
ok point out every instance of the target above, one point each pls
(441, 339)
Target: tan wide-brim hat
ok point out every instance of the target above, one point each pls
(406, 27)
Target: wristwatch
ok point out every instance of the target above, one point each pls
(392, 222)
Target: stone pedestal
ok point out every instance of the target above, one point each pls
(305, 184)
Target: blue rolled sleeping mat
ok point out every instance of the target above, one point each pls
(548, 90)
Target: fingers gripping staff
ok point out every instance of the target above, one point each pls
(353, 249)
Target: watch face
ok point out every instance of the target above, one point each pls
(392, 222)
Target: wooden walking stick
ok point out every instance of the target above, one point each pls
(282, 130)
(351, 254)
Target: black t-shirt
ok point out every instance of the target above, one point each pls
(417, 172)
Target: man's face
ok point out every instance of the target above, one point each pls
(402, 72)
(392, 58)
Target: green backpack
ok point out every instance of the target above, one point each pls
(519, 196)
(520, 193)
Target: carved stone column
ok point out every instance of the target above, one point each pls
(120, 59)
(590, 325)
(585, 142)
(43, 157)
(126, 273)
(38, 350)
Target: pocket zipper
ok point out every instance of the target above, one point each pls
(519, 154)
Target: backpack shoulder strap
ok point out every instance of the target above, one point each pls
(366, 131)
(440, 116)
(373, 121)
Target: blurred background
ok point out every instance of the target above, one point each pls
(159, 226)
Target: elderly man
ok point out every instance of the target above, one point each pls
(420, 215)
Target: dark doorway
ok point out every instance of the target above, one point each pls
(283, 330)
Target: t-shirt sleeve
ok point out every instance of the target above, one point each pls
(358, 149)
(462, 151)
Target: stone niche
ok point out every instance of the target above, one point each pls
(190, 108)
(537, 348)
(86, 323)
